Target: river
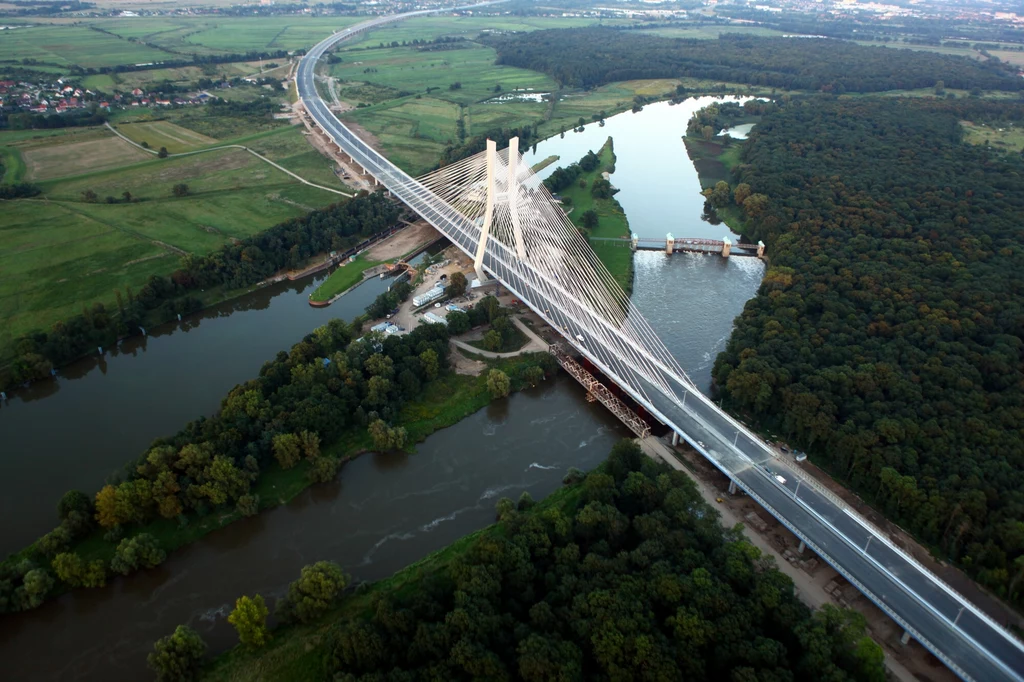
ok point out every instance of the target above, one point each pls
(385, 511)
(690, 300)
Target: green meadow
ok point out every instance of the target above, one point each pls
(59, 252)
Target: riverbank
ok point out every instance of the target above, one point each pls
(611, 219)
(296, 651)
(346, 276)
(715, 160)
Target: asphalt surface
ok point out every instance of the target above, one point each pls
(970, 643)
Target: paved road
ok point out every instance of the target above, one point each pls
(970, 643)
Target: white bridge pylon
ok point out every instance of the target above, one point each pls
(499, 194)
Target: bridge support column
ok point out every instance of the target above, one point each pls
(485, 229)
(513, 196)
(633, 241)
(905, 639)
(801, 548)
(732, 487)
(670, 243)
(760, 249)
(675, 438)
(726, 247)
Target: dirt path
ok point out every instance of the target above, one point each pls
(407, 240)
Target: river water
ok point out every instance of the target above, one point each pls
(384, 512)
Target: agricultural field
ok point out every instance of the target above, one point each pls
(212, 35)
(406, 68)
(12, 142)
(211, 121)
(159, 134)
(56, 157)
(1006, 137)
(54, 260)
(701, 32)
(67, 45)
(413, 131)
(59, 253)
(470, 27)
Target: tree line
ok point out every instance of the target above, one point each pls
(478, 143)
(624, 574)
(589, 57)
(887, 335)
(244, 263)
(563, 177)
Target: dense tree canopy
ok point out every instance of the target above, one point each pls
(588, 57)
(626, 576)
(887, 334)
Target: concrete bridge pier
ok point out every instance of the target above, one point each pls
(732, 487)
(801, 548)
(633, 241)
(760, 249)
(675, 438)
(670, 243)
(905, 639)
(726, 247)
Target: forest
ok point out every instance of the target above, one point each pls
(886, 337)
(623, 574)
(589, 57)
(249, 261)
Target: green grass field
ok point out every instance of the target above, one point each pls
(66, 45)
(342, 279)
(59, 253)
(1004, 136)
(165, 134)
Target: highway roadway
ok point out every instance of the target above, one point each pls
(970, 643)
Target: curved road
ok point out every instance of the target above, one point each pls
(966, 639)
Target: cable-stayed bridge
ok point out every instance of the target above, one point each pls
(496, 210)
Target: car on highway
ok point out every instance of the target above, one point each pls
(780, 479)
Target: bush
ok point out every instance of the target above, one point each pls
(141, 551)
(248, 505)
(177, 657)
(250, 620)
(318, 586)
(323, 470)
(498, 383)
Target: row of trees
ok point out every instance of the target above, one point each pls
(887, 336)
(563, 177)
(323, 387)
(588, 57)
(241, 264)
